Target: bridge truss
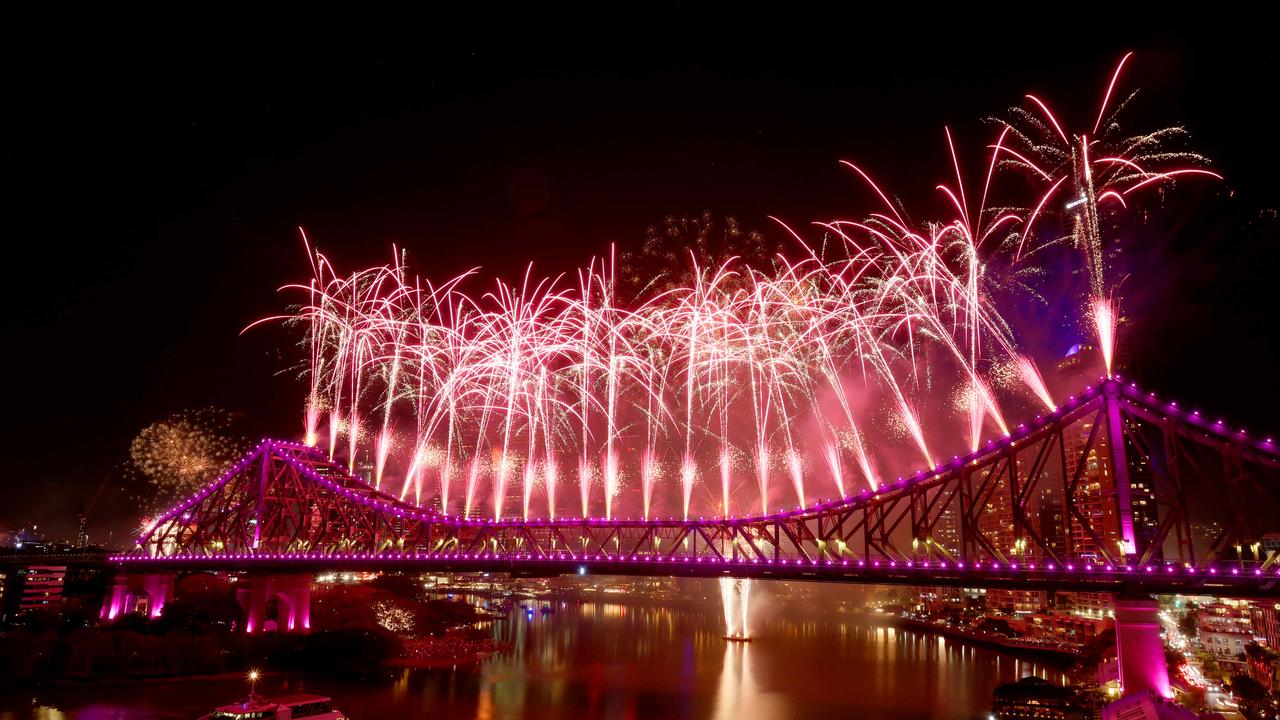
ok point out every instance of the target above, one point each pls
(1115, 489)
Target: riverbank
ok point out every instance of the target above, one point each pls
(453, 648)
(1014, 646)
(584, 661)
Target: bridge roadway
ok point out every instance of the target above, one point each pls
(1235, 580)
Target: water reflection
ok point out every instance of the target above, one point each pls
(632, 661)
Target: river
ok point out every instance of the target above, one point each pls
(625, 660)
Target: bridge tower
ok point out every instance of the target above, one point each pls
(1139, 647)
(1120, 469)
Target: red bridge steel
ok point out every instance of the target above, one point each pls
(285, 508)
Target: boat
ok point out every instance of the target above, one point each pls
(291, 707)
(737, 638)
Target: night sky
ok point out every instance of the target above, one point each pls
(156, 181)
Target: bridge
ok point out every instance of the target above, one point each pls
(1114, 491)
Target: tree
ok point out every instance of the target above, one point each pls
(1189, 624)
(347, 606)
(340, 651)
(1255, 702)
(399, 584)
(202, 602)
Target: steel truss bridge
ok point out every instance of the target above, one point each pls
(1152, 498)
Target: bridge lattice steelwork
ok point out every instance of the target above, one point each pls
(1115, 489)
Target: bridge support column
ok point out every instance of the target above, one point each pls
(252, 596)
(292, 594)
(133, 592)
(1120, 469)
(1139, 649)
(116, 599)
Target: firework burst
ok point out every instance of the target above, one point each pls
(181, 453)
(725, 361)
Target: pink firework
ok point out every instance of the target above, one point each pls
(792, 363)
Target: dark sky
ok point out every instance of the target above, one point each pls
(156, 178)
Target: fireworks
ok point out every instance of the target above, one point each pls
(393, 617)
(735, 594)
(180, 453)
(511, 384)
(1104, 321)
(1090, 170)
(696, 391)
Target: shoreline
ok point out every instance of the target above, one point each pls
(409, 663)
(991, 642)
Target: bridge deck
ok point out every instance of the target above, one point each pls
(1234, 580)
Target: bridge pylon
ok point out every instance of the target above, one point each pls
(291, 593)
(144, 593)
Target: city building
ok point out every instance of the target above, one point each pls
(1264, 620)
(947, 532)
(1142, 498)
(1095, 495)
(1227, 646)
(1087, 604)
(1095, 492)
(936, 600)
(1226, 615)
(1067, 628)
(996, 524)
(41, 586)
(1226, 627)
(1264, 665)
(1204, 535)
(1016, 601)
(1052, 520)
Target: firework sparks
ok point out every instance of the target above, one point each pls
(184, 451)
(1084, 169)
(1104, 322)
(776, 359)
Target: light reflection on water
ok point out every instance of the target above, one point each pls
(614, 660)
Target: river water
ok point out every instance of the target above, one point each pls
(630, 661)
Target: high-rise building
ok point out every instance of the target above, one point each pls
(1142, 498)
(946, 532)
(1096, 495)
(996, 524)
(1052, 521)
(1264, 620)
(1094, 498)
(1204, 535)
